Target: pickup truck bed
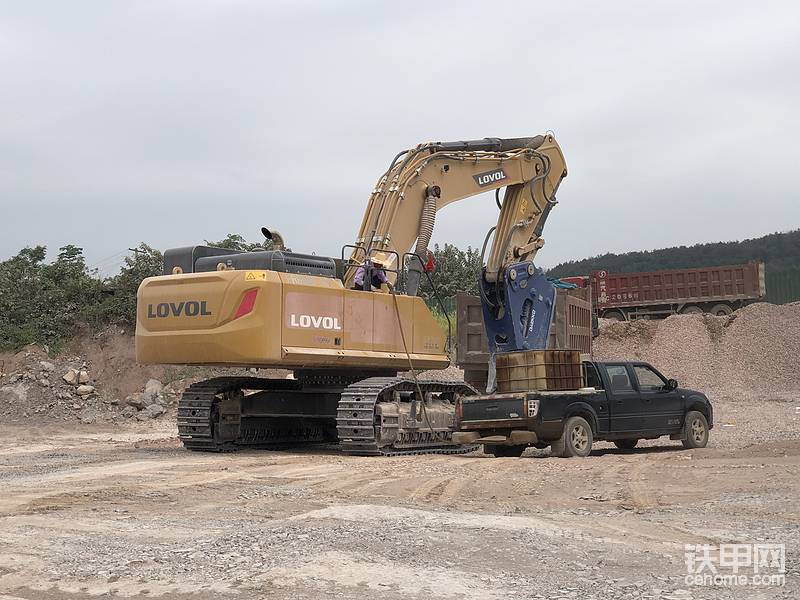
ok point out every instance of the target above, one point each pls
(627, 401)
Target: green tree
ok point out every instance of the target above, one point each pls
(119, 303)
(234, 241)
(455, 270)
(43, 303)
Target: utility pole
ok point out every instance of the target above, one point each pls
(136, 252)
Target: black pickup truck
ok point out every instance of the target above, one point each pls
(622, 402)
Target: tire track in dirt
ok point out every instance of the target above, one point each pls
(640, 490)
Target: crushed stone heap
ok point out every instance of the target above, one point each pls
(756, 348)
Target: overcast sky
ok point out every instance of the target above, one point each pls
(173, 122)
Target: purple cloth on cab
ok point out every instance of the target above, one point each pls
(378, 274)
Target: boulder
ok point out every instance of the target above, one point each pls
(83, 377)
(85, 390)
(71, 377)
(13, 393)
(136, 401)
(152, 390)
(128, 412)
(44, 382)
(47, 366)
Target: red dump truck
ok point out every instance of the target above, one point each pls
(658, 294)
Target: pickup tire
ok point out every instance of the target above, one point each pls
(628, 444)
(576, 440)
(695, 430)
(504, 451)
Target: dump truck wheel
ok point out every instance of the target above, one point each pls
(614, 315)
(721, 310)
(626, 444)
(692, 310)
(695, 430)
(577, 438)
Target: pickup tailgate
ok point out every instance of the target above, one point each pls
(497, 410)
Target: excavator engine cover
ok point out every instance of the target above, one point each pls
(524, 321)
(203, 259)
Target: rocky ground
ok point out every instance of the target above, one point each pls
(100, 500)
(94, 381)
(109, 511)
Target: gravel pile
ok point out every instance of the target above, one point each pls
(756, 348)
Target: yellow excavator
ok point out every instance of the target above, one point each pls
(347, 326)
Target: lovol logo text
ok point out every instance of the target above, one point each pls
(191, 308)
(314, 322)
(490, 177)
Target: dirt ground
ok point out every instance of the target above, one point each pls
(101, 511)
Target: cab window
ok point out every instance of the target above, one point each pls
(649, 380)
(593, 377)
(618, 376)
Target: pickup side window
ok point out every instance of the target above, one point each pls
(649, 380)
(593, 377)
(618, 376)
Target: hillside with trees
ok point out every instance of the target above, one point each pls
(781, 251)
(49, 302)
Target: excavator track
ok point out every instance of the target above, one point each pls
(361, 428)
(208, 422)
(199, 418)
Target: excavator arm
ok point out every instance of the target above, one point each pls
(401, 213)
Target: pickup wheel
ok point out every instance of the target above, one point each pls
(626, 444)
(695, 430)
(577, 438)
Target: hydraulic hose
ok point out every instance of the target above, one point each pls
(426, 222)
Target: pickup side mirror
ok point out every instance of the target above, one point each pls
(671, 384)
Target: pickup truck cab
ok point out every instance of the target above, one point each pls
(622, 402)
